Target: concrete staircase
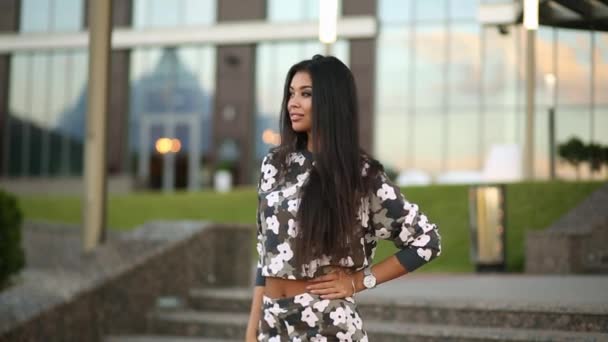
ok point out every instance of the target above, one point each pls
(222, 314)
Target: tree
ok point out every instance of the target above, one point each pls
(605, 157)
(594, 155)
(573, 151)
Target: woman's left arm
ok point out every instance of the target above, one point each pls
(392, 218)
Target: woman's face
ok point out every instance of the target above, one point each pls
(299, 105)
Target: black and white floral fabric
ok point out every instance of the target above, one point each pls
(307, 317)
(383, 214)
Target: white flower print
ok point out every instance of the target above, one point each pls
(302, 178)
(273, 224)
(303, 299)
(290, 191)
(269, 318)
(405, 235)
(274, 339)
(410, 206)
(267, 184)
(289, 328)
(276, 264)
(318, 338)
(409, 219)
(266, 300)
(293, 205)
(423, 220)
(383, 233)
(364, 339)
(428, 227)
(320, 306)
(344, 336)
(276, 309)
(293, 228)
(369, 238)
(421, 240)
(309, 317)
(296, 339)
(387, 192)
(297, 158)
(272, 198)
(357, 322)
(285, 252)
(269, 171)
(424, 253)
(338, 316)
(365, 168)
(347, 262)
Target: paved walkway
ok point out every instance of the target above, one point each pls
(499, 289)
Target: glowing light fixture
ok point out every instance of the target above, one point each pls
(176, 145)
(166, 145)
(270, 137)
(531, 14)
(328, 19)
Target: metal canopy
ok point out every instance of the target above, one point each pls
(575, 14)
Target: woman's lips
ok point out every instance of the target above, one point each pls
(296, 116)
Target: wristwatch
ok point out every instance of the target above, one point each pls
(369, 280)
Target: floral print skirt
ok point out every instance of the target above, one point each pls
(307, 317)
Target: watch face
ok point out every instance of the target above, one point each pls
(369, 281)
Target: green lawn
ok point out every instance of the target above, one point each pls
(529, 206)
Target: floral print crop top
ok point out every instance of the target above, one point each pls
(383, 214)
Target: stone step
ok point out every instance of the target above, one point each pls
(156, 338)
(228, 325)
(232, 326)
(457, 313)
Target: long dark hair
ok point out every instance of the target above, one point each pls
(332, 194)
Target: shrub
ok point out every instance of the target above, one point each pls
(12, 257)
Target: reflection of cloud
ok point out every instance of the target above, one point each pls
(503, 64)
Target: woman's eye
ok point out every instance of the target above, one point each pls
(306, 94)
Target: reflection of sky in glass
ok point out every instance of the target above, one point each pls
(429, 64)
(163, 13)
(293, 10)
(431, 10)
(51, 15)
(503, 87)
(463, 77)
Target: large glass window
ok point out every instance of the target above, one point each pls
(47, 107)
(51, 15)
(601, 87)
(294, 10)
(163, 13)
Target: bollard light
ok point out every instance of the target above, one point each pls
(487, 222)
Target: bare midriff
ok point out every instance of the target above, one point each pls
(284, 288)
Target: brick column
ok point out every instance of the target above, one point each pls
(9, 23)
(363, 65)
(234, 114)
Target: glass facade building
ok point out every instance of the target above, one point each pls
(445, 88)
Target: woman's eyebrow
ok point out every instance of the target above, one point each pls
(302, 87)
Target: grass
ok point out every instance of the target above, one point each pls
(530, 206)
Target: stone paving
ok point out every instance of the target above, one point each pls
(581, 291)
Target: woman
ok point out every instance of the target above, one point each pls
(323, 204)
